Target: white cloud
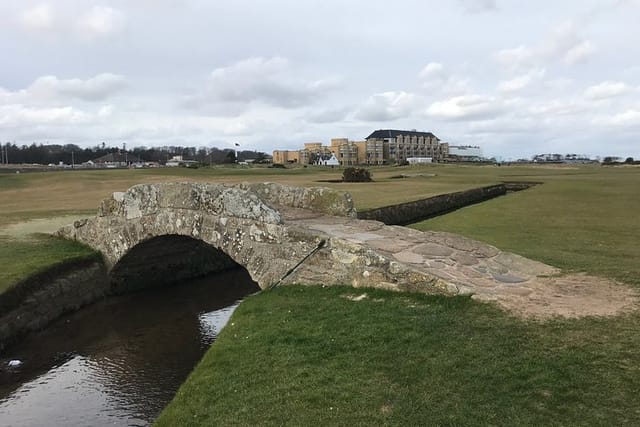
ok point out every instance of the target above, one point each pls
(580, 52)
(606, 89)
(521, 82)
(270, 81)
(563, 43)
(516, 57)
(330, 115)
(388, 106)
(475, 6)
(38, 18)
(629, 118)
(95, 88)
(558, 107)
(242, 69)
(243, 126)
(101, 21)
(16, 115)
(436, 78)
(432, 71)
(466, 107)
(105, 111)
(74, 20)
(51, 91)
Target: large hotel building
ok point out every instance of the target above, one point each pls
(384, 146)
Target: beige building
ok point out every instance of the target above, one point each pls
(345, 151)
(283, 157)
(383, 146)
(403, 144)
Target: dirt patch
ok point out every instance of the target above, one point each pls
(42, 225)
(572, 296)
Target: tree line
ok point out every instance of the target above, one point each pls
(70, 153)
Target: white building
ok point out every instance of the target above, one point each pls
(465, 152)
(327, 160)
(419, 160)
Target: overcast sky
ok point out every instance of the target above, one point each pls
(514, 77)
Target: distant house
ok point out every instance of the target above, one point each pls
(465, 153)
(117, 160)
(327, 160)
(179, 161)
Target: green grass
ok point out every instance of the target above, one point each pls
(578, 220)
(24, 257)
(308, 356)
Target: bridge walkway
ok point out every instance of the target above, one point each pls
(469, 267)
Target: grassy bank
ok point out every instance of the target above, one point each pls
(24, 257)
(310, 356)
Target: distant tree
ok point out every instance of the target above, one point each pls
(230, 157)
(260, 157)
(629, 160)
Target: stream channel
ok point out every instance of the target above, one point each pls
(118, 361)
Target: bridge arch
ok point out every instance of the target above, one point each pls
(167, 259)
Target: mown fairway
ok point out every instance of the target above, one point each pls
(46, 194)
(583, 219)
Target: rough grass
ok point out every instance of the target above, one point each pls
(310, 356)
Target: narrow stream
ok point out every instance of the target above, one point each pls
(119, 361)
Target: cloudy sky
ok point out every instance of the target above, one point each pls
(515, 77)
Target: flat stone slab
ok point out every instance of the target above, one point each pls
(433, 250)
(508, 278)
(525, 287)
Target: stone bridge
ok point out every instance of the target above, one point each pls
(154, 230)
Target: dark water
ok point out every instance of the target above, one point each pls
(120, 361)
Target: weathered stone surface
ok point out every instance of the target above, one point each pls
(240, 222)
(434, 250)
(317, 199)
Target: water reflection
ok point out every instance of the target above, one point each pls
(119, 361)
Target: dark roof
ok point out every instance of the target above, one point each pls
(393, 133)
(118, 158)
